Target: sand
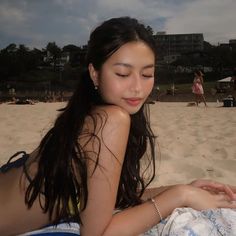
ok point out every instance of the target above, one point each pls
(193, 142)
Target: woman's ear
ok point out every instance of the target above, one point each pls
(93, 74)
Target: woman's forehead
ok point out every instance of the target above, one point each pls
(133, 53)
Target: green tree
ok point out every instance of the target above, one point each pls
(11, 48)
(17, 61)
(53, 53)
(149, 29)
(77, 54)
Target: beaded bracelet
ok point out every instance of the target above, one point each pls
(156, 207)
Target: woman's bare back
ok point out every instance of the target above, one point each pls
(15, 216)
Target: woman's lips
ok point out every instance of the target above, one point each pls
(133, 101)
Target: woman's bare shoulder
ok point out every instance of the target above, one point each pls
(110, 115)
(106, 128)
(106, 119)
(112, 112)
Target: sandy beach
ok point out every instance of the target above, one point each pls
(193, 142)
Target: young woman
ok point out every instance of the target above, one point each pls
(88, 165)
(197, 87)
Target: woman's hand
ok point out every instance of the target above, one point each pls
(199, 198)
(216, 187)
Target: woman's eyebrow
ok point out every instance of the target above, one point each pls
(148, 66)
(130, 66)
(123, 64)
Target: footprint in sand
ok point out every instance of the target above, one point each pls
(212, 172)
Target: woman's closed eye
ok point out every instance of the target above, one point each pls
(122, 74)
(148, 75)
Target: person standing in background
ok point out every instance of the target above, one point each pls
(197, 87)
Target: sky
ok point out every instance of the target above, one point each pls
(34, 23)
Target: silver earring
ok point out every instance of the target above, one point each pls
(95, 87)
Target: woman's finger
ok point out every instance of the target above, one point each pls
(213, 186)
(217, 188)
(229, 192)
(228, 204)
(233, 188)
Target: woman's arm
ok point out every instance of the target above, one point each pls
(112, 129)
(154, 191)
(201, 79)
(139, 219)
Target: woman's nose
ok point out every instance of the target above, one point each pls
(136, 84)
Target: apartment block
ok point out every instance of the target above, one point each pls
(177, 44)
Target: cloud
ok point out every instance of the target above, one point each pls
(35, 23)
(214, 18)
(12, 18)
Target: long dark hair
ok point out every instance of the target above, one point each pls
(62, 172)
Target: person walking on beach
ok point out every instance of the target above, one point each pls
(87, 168)
(197, 87)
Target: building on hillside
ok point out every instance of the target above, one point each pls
(232, 41)
(225, 46)
(177, 44)
(231, 45)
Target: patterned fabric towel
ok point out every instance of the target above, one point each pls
(189, 222)
(62, 229)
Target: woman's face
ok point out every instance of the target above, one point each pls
(126, 79)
